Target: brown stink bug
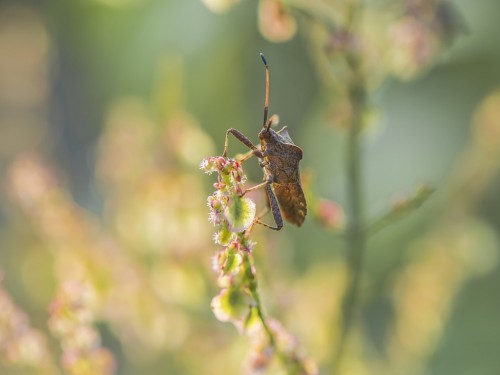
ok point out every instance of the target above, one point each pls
(279, 158)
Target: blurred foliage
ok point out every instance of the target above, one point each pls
(107, 107)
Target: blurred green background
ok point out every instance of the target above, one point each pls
(107, 107)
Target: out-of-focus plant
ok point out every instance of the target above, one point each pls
(459, 247)
(137, 270)
(71, 319)
(21, 345)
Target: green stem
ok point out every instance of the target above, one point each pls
(252, 285)
(401, 210)
(355, 232)
(291, 364)
(356, 239)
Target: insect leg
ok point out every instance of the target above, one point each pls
(243, 139)
(245, 156)
(273, 202)
(254, 187)
(264, 211)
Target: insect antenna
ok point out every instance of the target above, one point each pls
(266, 125)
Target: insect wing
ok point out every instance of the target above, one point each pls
(292, 202)
(283, 136)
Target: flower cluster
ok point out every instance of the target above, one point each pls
(275, 19)
(238, 301)
(288, 351)
(420, 33)
(330, 214)
(20, 344)
(229, 210)
(71, 319)
(233, 215)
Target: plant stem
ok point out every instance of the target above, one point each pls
(292, 365)
(255, 295)
(398, 211)
(355, 233)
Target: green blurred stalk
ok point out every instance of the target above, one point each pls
(292, 365)
(254, 291)
(355, 231)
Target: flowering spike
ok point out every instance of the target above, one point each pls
(238, 301)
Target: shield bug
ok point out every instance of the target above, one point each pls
(279, 158)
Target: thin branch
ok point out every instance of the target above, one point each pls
(291, 364)
(254, 292)
(400, 210)
(355, 233)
